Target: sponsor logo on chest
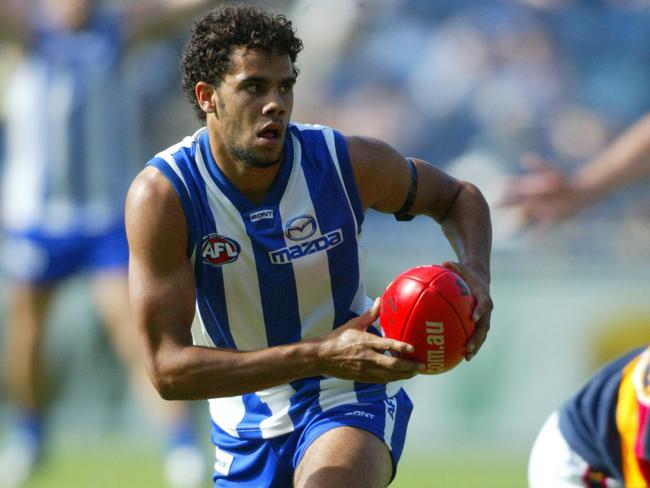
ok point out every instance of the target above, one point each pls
(303, 228)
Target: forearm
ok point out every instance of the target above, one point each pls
(193, 372)
(625, 161)
(468, 228)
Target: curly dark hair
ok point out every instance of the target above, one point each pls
(207, 54)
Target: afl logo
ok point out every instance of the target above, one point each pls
(219, 250)
(300, 228)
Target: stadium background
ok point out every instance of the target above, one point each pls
(470, 86)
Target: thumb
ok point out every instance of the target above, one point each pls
(363, 321)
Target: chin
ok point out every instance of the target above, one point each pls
(264, 163)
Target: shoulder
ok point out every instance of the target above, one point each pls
(370, 153)
(150, 193)
(155, 223)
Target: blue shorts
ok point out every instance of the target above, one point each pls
(39, 259)
(270, 463)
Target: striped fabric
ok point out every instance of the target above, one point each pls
(606, 422)
(277, 272)
(69, 127)
(632, 421)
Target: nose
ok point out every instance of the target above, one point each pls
(275, 103)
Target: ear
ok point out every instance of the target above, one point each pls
(206, 96)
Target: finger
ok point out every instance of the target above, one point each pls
(374, 310)
(363, 321)
(382, 344)
(483, 305)
(478, 338)
(453, 266)
(402, 365)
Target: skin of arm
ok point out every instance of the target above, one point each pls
(162, 291)
(548, 195)
(626, 160)
(383, 179)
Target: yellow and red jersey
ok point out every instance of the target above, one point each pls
(607, 421)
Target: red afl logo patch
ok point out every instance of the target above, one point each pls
(219, 250)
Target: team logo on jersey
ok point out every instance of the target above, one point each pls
(323, 243)
(300, 228)
(218, 250)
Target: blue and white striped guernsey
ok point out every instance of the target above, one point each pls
(275, 273)
(72, 133)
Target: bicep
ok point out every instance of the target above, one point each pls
(161, 280)
(383, 179)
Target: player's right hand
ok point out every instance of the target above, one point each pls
(351, 353)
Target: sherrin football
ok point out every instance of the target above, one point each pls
(429, 307)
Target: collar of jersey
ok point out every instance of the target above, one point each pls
(233, 194)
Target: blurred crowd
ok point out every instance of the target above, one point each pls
(450, 78)
(473, 86)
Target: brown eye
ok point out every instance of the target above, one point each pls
(286, 88)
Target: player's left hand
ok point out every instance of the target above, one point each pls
(480, 287)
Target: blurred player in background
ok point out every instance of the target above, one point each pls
(601, 436)
(245, 274)
(71, 134)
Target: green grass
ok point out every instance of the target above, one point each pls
(462, 471)
(100, 468)
(129, 467)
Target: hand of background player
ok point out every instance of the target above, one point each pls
(544, 195)
(480, 287)
(352, 353)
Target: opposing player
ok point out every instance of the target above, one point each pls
(67, 169)
(601, 436)
(245, 275)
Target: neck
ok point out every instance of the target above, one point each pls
(253, 182)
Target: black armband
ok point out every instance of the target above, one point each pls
(403, 213)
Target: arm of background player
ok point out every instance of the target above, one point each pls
(383, 179)
(549, 195)
(162, 291)
(148, 19)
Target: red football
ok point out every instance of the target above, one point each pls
(429, 307)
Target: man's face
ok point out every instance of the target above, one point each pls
(253, 107)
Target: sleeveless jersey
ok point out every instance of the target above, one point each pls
(277, 272)
(70, 144)
(607, 421)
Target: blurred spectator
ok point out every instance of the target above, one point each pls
(72, 132)
(488, 81)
